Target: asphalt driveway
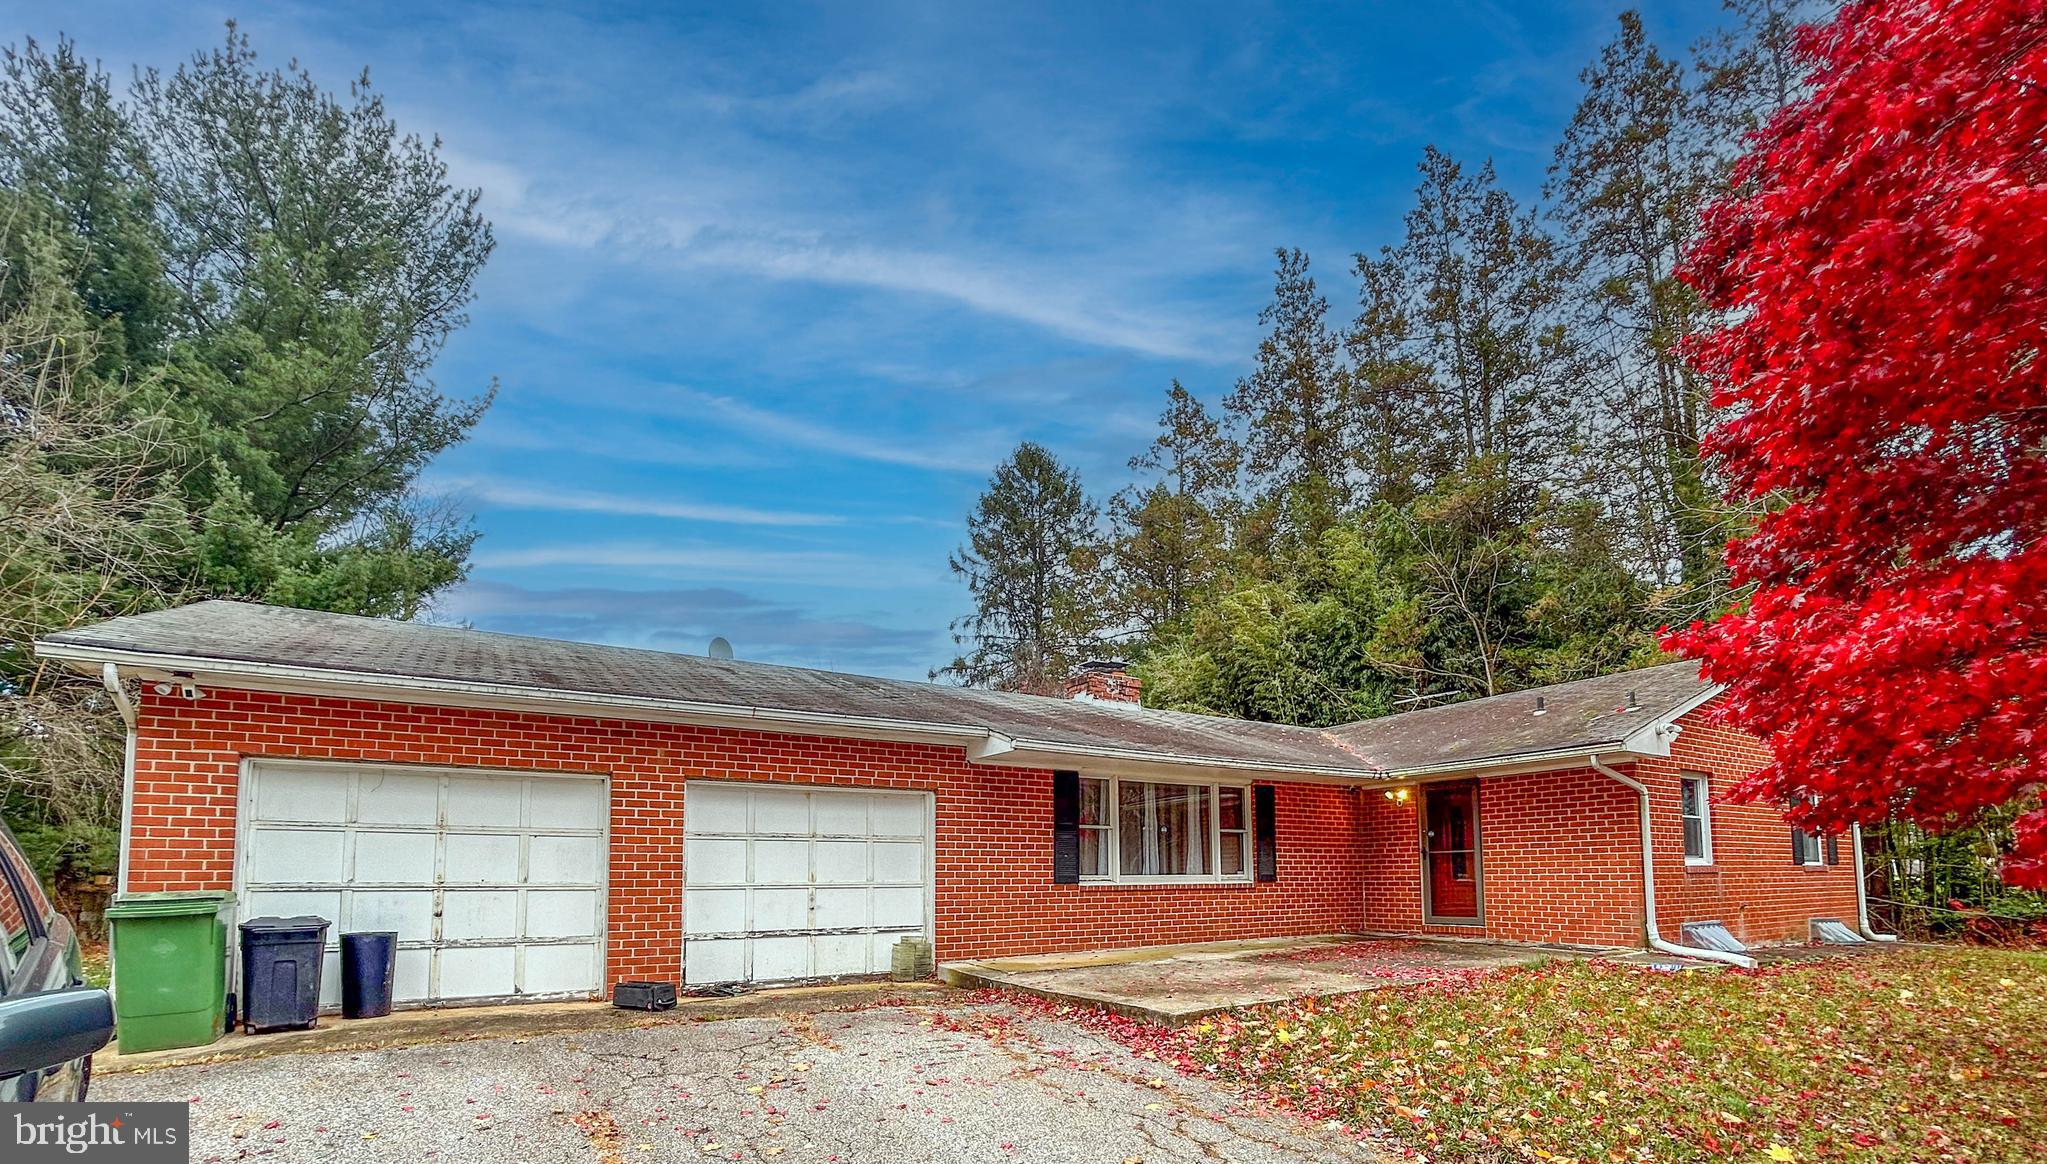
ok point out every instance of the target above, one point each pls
(960, 1080)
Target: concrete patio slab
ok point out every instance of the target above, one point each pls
(1179, 984)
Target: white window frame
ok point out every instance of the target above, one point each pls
(1704, 785)
(1112, 834)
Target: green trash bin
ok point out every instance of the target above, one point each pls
(170, 968)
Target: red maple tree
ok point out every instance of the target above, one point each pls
(1882, 262)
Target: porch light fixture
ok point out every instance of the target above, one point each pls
(1399, 794)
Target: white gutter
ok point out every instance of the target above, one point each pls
(110, 677)
(1862, 892)
(1649, 883)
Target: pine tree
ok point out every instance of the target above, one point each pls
(1297, 412)
(1630, 176)
(1032, 564)
(1169, 538)
(1483, 327)
(1750, 71)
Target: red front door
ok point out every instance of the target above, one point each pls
(1450, 858)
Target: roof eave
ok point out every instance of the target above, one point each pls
(982, 745)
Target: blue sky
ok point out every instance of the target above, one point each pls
(776, 286)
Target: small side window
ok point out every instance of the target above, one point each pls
(1696, 805)
(1805, 847)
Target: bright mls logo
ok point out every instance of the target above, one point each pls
(117, 1133)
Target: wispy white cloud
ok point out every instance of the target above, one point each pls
(783, 428)
(567, 499)
(685, 620)
(716, 562)
(1010, 291)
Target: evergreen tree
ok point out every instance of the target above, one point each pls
(1032, 564)
(1751, 70)
(288, 265)
(1297, 413)
(1630, 176)
(1480, 361)
(1169, 539)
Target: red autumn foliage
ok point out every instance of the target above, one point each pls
(1883, 265)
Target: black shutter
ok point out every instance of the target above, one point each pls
(1833, 849)
(1267, 832)
(1798, 846)
(1065, 828)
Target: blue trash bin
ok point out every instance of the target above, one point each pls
(368, 963)
(281, 972)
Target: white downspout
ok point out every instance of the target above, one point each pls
(1862, 892)
(1649, 883)
(110, 676)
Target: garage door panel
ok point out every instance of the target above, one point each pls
(554, 860)
(780, 909)
(839, 909)
(902, 908)
(715, 960)
(478, 971)
(295, 857)
(714, 911)
(781, 812)
(565, 804)
(714, 861)
(829, 902)
(469, 914)
(399, 798)
(552, 969)
(480, 859)
(716, 808)
(304, 795)
(292, 903)
(410, 912)
(561, 913)
(842, 816)
(898, 861)
(841, 862)
(481, 802)
(780, 959)
(385, 858)
(507, 900)
(780, 862)
(899, 816)
(841, 954)
(413, 978)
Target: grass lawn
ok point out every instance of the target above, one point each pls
(1903, 1055)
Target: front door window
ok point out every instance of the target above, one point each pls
(1450, 854)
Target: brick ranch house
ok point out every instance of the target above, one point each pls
(542, 819)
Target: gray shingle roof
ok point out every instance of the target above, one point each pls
(1577, 716)
(245, 632)
(1581, 714)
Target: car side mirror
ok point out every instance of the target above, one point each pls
(42, 1030)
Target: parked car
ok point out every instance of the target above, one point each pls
(50, 1021)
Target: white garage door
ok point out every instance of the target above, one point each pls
(494, 883)
(786, 883)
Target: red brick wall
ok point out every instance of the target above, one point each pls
(1559, 861)
(1562, 861)
(1751, 886)
(993, 855)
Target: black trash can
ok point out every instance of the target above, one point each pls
(281, 972)
(368, 963)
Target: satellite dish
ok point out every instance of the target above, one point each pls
(720, 649)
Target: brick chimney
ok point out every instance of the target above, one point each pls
(1106, 680)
